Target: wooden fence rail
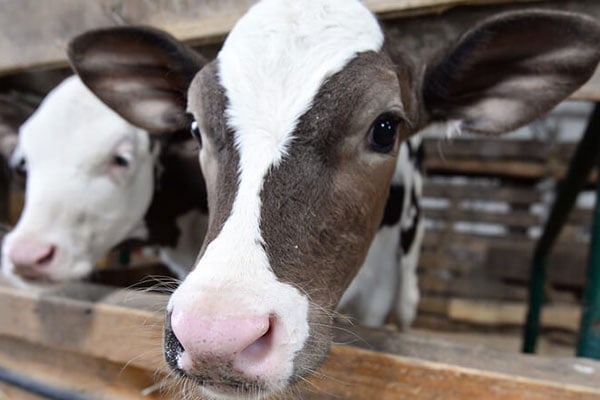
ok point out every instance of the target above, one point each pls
(106, 344)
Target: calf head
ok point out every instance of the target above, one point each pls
(89, 183)
(300, 119)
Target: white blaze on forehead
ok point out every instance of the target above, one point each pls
(272, 65)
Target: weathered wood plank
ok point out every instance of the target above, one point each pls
(495, 313)
(92, 322)
(470, 191)
(567, 264)
(355, 374)
(524, 170)
(66, 371)
(515, 218)
(87, 322)
(36, 35)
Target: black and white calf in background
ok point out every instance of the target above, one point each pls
(387, 281)
(301, 117)
(94, 181)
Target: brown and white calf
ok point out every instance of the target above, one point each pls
(300, 119)
(93, 181)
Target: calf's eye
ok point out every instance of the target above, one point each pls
(383, 132)
(120, 161)
(195, 129)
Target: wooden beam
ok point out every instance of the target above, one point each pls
(36, 36)
(495, 313)
(51, 369)
(118, 328)
(360, 374)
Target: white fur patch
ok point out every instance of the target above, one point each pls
(272, 65)
(75, 199)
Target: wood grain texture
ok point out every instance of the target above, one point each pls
(99, 326)
(36, 34)
(358, 374)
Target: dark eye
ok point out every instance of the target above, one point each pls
(120, 161)
(383, 132)
(195, 129)
(21, 167)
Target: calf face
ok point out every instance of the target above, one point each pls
(300, 119)
(91, 185)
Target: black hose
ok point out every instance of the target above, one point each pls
(38, 388)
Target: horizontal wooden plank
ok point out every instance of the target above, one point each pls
(524, 170)
(470, 288)
(368, 375)
(495, 313)
(60, 322)
(515, 218)
(497, 148)
(35, 37)
(84, 319)
(470, 191)
(566, 265)
(61, 371)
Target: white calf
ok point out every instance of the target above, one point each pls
(93, 181)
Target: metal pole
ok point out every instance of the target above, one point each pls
(38, 388)
(589, 333)
(582, 163)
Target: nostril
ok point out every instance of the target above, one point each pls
(259, 349)
(26, 254)
(45, 259)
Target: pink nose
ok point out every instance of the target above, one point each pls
(247, 341)
(30, 257)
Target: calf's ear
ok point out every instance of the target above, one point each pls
(141, 73)
(511, 69)
(13, 112)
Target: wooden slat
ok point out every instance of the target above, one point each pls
(71, 372)
(471, 288)
(81, 325)
(493, 148)
(567, 265)
(358, 374)
(470, 191)
(494, 313)
(503, 169)
(92, 325)
(35, 37)
(520, 219)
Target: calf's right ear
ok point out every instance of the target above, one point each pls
(511, 69)
(141, 73)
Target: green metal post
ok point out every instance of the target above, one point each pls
(589, 333)
(582, 163)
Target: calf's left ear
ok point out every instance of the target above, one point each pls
(141, 73)
(511, 69)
